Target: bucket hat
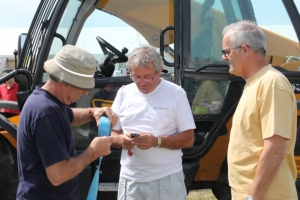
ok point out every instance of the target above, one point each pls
(73, 66)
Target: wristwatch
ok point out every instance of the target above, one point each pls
(158, 141)
(249, 198)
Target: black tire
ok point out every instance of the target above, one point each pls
(8, 170)
(222, 191)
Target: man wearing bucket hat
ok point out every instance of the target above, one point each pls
(47, 161)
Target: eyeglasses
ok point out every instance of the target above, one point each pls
(227, 51)
(147, 79)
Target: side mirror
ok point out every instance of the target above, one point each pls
(21, 41)
(165, 49)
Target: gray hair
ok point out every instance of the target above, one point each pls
(144, 56)
(247, 33)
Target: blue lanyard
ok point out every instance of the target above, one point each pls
(103, 130)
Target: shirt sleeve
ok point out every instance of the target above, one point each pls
(51, 140)
(116, 108)
(184, 117)
(276, 112)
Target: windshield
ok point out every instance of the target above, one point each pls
(122, 31)
(149, 18)
(64, 25)
(208, 18)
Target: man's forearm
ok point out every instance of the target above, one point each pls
(266, 171)
(180, 140)
(81, 116)
(268, 165)
(68, 169)
(116, 139)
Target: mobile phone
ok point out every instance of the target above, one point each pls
(132, 135)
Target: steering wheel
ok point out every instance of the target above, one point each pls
(105, 45)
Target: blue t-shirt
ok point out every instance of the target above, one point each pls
(44, 138)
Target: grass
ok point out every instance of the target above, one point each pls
(205, 194)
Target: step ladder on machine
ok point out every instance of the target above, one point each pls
(108, 187)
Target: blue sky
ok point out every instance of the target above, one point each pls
(16, 17)
(17, 13)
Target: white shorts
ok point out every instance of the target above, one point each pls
(169, 187)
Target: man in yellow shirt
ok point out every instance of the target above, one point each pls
(262, 139)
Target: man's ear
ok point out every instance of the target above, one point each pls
(246, 48)
(64, 86)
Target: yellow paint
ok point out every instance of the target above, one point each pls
(211, 163)
(104, 103)
(14, 120)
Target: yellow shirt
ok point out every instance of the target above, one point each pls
(267, 106)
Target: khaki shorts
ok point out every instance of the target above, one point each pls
(169, 187)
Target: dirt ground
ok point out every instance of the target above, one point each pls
(205, 194)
